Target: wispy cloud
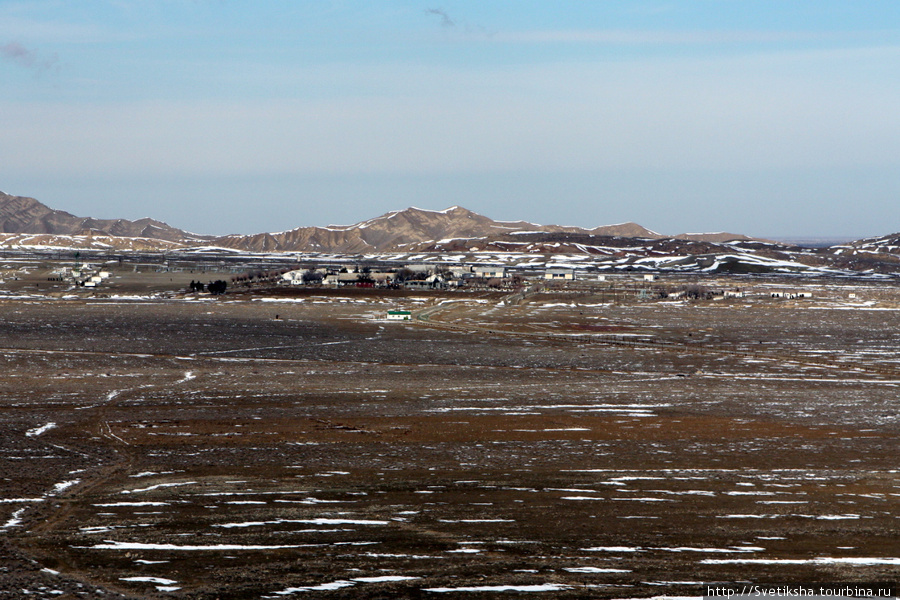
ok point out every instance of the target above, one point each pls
(446, 21)
(651, 37)
(16, 53)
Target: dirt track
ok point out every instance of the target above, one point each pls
(329, 453)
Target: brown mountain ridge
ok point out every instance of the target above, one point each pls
(394, 231)
(399, 230)
(19, 214)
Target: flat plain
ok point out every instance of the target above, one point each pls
(574, 443)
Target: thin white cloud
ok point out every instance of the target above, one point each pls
(642, 125)
(667, 37)
(804, 109)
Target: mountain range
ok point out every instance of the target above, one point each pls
(27, 223)
(396, 230)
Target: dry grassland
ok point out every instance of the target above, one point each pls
(203, 448)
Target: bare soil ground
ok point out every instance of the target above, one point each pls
(203, 448)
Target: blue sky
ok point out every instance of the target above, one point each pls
(770, 118)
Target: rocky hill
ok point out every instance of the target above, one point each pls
(889, 244)
(399, 230)
(869, 253)
(19, 214)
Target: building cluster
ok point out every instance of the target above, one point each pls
(409, 276)
(439, 276)
(420, 276)
(83, 275)
(791, 295)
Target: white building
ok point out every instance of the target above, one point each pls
(399, 315)
(293, 277)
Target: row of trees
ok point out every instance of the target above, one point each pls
(217, 287)
(213, 287)
(311, 276)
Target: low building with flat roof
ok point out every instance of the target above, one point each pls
(562, 274)
(399, 315)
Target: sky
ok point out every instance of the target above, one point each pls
(772, 118)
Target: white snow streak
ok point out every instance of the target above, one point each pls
(39, 430)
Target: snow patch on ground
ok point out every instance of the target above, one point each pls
(113, 545)
(39, 430)
(546, 587)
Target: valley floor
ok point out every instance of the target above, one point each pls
(557, 445)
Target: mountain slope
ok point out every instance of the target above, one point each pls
(398, 230)
(19, 214)
(869, 253)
